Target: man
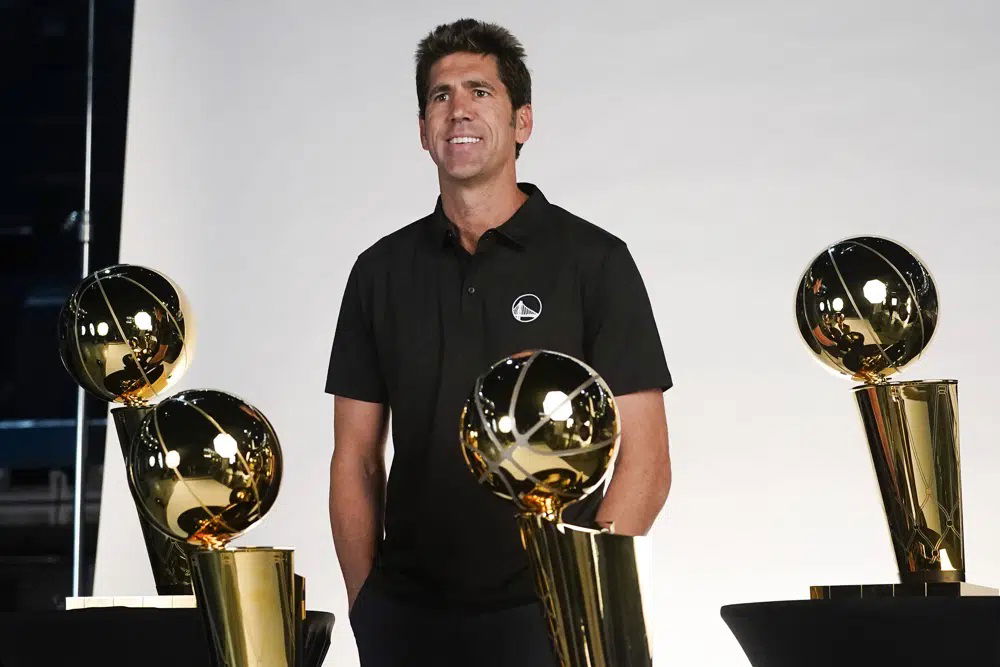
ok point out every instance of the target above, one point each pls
(433, 565)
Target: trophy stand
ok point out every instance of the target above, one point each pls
(588, 581)
(912, 431)
(168, 558)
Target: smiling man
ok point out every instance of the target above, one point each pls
(433, 565)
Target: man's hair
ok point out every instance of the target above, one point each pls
(472, 36)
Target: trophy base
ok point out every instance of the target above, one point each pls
(168, 558)
(948, 589)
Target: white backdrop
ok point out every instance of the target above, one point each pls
(727, 142)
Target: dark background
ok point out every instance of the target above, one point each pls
(43, 108)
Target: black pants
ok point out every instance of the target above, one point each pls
(393, 633)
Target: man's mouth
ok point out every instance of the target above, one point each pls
(464, 140)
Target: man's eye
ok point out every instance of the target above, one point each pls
(482, 93)
(440, 97)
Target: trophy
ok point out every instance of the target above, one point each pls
(126, 336)
(541, 430)
(204, 467)
(867, 307)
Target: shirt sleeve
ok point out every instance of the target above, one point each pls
(354, 367)
(621, 339)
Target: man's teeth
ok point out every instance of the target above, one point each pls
(464, 140)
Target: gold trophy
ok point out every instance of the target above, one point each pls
(204, 467)
(867, 307)
(541, 430)
(126, 336)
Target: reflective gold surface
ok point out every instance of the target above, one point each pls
(247, 597)
(300, 597)
(912, 430)
(540, 430)
(204, 467)
(125, 334)
(589, 584)
(168, 557)
(866, 307)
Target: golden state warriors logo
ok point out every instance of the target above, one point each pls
(526, 308)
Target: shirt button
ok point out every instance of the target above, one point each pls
(471, 290)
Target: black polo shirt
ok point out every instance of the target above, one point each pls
(421, 318)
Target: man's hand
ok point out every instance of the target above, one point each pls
(357, 487)
(641, 479)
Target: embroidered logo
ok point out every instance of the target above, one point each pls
(526, 308)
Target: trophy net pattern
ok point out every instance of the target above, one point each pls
(543, 496)
(867, 308)
(205, 467)
(136, 346)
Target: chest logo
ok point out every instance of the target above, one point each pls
(526, 308)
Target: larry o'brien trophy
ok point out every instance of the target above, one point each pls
(204, 467)
(126, 336)
(867, 307)
(541, 430)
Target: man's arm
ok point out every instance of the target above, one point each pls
(357, 487)
(641, 479)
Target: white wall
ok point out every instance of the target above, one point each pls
(727, 142)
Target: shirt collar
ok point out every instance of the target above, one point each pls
(518, 229)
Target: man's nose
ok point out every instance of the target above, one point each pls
(461, 107)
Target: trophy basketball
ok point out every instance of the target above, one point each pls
(204, 467)
(541, 430)
(867, 307)
(126, 336)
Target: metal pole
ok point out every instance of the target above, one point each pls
(81, 412)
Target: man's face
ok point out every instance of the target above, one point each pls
(469, 127)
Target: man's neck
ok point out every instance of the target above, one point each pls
(474, 208)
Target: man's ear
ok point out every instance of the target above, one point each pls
(523, 123)
(423, 134)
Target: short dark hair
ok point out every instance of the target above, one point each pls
(472, 36)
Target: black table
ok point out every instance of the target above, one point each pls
(930, 631)
(128, 637)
